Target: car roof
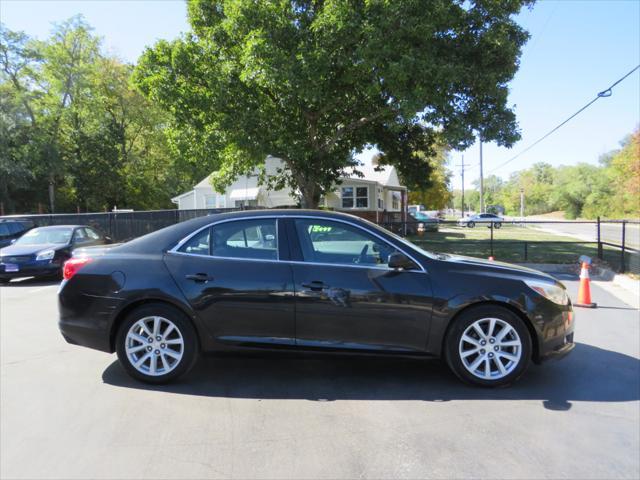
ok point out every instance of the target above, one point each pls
(44, 227)
(167, 237)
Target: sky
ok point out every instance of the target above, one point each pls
(576, 49)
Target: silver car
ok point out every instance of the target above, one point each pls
(487, 218)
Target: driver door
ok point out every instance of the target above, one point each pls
(346, 295)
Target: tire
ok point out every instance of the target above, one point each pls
(471, 224)
(170, 357)
(497, 225)
(515, 359)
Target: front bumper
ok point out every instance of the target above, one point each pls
(43, 268)
(555, 334)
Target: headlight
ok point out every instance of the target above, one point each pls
(550, 291)
(46, 255)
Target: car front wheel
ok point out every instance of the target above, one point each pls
(156, 344)
(488, 346)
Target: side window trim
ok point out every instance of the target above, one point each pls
(290, 232)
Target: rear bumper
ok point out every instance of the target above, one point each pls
(85, 336)
(86, 319)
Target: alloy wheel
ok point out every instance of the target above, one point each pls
(490, 349)
(154, 346)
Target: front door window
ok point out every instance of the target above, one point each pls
(338, 243)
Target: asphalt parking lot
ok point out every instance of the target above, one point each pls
(70, 412)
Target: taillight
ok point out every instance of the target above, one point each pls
(72, 266)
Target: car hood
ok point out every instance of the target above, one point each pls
(501, 268)
(30, 249)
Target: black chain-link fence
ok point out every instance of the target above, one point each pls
(122, 226)
(614, 242)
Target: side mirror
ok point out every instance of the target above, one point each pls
(108, 240)
(13, 240)
(401, 261)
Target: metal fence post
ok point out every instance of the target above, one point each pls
(622, 261)
(526, 253)
(600, 255)
(491, 239)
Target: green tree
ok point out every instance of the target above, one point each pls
(436, 194)
(314, 81)
(75, 133)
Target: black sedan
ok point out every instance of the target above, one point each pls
(309, 280)
(42, 251)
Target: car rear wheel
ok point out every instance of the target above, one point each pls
(156, 344)
(497, 225)
(471, 224)
(488, 346)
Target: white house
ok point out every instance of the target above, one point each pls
(378, 190)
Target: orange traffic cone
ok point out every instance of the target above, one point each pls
(584, 293)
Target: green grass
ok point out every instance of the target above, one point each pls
(509, 244)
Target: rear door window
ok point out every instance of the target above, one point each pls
(252, 239)
(198, 244)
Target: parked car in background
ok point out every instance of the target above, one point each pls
(419, 222)
(308, 280)
(484, 218)
(11, 230)
(42, 251)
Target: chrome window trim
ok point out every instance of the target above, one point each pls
(175, 249)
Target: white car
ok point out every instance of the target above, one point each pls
(487, 218)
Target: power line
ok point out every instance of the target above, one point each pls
(603, 94)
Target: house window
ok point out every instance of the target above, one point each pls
(395, 200)
(355, 197)
(216, 200)
(246, 203)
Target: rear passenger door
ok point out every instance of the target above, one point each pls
(231, 275)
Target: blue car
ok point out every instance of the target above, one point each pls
(41, 252)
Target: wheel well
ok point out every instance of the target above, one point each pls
(534, 337)
(129, 308)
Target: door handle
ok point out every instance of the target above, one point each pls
(198, 277)
(315, 286)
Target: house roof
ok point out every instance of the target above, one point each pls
(384, 175)
(205, 183)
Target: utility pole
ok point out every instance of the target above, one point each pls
(462, 165)
(481, 179)
(522, 204)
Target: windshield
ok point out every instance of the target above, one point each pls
(42, 236)
(422, 216)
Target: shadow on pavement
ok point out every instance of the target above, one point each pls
(31, 282)
(589, 374)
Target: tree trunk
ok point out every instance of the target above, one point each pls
(310, 195)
